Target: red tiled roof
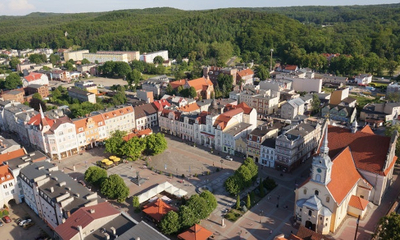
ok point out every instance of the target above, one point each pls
(137, 133)
(305, 233)
(83, 217)
(243, 105)
(245, 72)
(33, 76)
(358, 202)
(176, 84)
(196, 232)
(223, 119)
(367, 129)
(36, 120)
(344, 175)
(368, 150)
(202, 117)
(290, 67)
(11, 155)
(160, 104)
(200, 83)
(158, 209)
(118, 112)
(5, 172)
(189, 108)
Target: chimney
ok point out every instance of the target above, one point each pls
(51, 189)
(107, 236)
(92, 211)
(114, 231)
(80, 232)
(62, 183)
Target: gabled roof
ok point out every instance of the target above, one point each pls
(160, 104)
(368, 150)
(158, 209)
(137, 133)
(196, 232)
(202, 117)
(145, 110)
(37, 120)
(33, 76)
(189, 108)
(223, 119)
(11, 155)
(245, 72)
(242, 105)
(291, 67)
(308, 234)
(344, 175)
(83, 217)
(58, 122)
(358, 202)
(200, 83)
(118, 111)
(176, 84)
(6, 173)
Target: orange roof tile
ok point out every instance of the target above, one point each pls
(36, 120)
(137, 133)
(5, 172)
(290, 67)
(158, 209)
(200, 83)
(189, 108)
(358, 202)
(196, 232)
(243, 105)
(33, 76)
(116, 112)
(176, 84)
(245, 72)
(367, 129)
(223, 119)
(11, 155)
(344, 175)
(368, 150)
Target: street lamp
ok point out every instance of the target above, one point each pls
(270, 65)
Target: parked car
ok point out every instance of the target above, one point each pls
(18, 221)
(6, 219)
(229, 158)
(28, 225)
(22, 223)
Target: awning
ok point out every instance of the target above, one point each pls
(116, 159)
(105, 160)
(112, 157)
(207, 134)
(109, 163)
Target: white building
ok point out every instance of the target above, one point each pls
(106, 56)
(292, 108)
(363, 79)
(35, 78)
(75, 55)
(146, 116)
(149, 57)
(267, 152)
(118, 118)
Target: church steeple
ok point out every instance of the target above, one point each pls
(322, 164)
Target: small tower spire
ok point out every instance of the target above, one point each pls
(324, 147)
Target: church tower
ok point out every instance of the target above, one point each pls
(322, 164)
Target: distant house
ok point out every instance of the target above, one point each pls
(146, 116)
(246, 76)
(82, 95)
(339, 113)
(363, 79)
(16, 95)
(61, 75)
(156, 84)
(36, 88)
(292, 108)
(35, 78)
(203, 86)
(213, 72)
(144, 95)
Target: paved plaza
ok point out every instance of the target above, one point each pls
(269, 218)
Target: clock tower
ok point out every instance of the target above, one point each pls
(322, 164)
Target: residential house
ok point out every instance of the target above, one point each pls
(90, 130)
(203, 86)
(363, 79)
(88, 86)
(245, 76)
(276, 85)
(223, 122)
(249, 114)
(36, 88)
(160, 105)
(267, 152)
(61, 75)
(16, 95)
(296, 145)
(393, 88)
(292, 108)
(341, 97)
(345, 178)
(334, 80)
(61, 140)
(204, 131)
(90, 68)
(82, 95)
(144, 95)
(37, 126)
(290, 68)
(35, 78)
(75, 55)
(256, 138)
(196, 232)
(53, 194)
(149, 57)
(118, 118)
(308, 101)
(7, 185)
(339, 113)
(231, 135)
(212, 73)
(190, 109)
(8, 145)
(378, 113)
(264, 101)
(146, 116)
(156, 84)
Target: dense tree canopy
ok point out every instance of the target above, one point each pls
(170, 223)
(389, 228)
(114, 187)
(95, 175)
(12, 81)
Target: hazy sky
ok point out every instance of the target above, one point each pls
(23, 7)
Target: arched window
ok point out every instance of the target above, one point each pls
(305, 191)
(318, 178)
(309, 213)
(328, 199)
(316, 192)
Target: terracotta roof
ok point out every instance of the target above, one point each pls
(11, 155)
(290, 67)
(308, 234)
(33, 76)
(158, 209)
(160, 104)
(243, 105)
(367, 129)
(245, 72)
(358, 202)
(176, 84)
(60, 121)
(368, 150)
(116, 112)
(189, 108)
(202, 117)
(5, 172)
(294, 237)
(36, 120)
(200, 83)
(138, 133)
(344, 175)
(223, 119)
(83, 217)
(196, 232)
(81, 123)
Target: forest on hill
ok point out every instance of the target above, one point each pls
(367, 37)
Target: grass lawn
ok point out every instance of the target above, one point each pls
(362, 101)
(328, 90)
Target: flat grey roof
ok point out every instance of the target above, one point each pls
(28, 158)
(31, 171)
(121, 224)
(144, 231)
(237, 128)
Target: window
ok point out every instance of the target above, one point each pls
(305, 191)
(316, 192)
(309, 213)
(318, 178)
(328, 199)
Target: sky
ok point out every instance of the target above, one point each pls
(23, 7)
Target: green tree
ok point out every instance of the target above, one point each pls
(114, 187)
(389, 227)
(37, 58)
(389, 132)
(115, 143)
(35, 103)
(179, 59)
(85, 61)
(37, 96)
(248, 201)
(233, 184)
(261, 188)
(316, 104)
(225, 83)
(210, 200)
(135, 202)
(392, 66)
(244, 173)
(12, 81)
(199, 206)
(95, 175)
(134, 77)
(169, 89)
(69, 66)
(158, 60)
(122, 69)
(253, 168)
(156, 144)
(192, 92)
(108, 68)
(56, 93)
(14, 61)
(238, 202)
(54, 59)
(262, 72)
(180, 89)
(133, 148)
(170, 223)
(187, 217)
